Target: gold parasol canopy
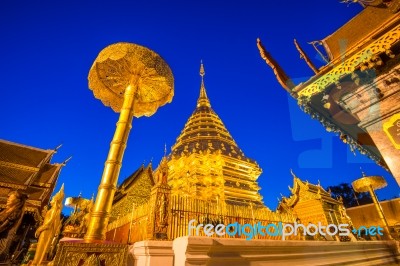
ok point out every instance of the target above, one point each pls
(363, 184)
(77, 202)
(124, 64)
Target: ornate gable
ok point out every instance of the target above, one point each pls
(134, 191)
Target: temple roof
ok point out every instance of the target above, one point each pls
(360, 53)
(305, 191)
(29, 170)
(204, 130)
(128, 183)
(23, 155)
(360, 28)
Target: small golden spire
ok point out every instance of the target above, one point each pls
(202, 72)
(203, 99)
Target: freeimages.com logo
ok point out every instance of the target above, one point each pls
(272, 229)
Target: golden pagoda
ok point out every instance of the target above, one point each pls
(206, 178)
(206, 163)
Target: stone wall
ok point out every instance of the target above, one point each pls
(234, 252)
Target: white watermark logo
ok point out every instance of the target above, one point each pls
(279, 229)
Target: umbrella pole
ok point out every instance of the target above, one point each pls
(102, 207)
(380, 212)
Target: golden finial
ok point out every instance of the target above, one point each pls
(58, 147)
(67, 160)
(203, 99)
(165, 149)
(293, 174)
(202, 72)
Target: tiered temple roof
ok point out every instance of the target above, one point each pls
(312, 204)
(303, 190)
(355, 94)
(29, 170)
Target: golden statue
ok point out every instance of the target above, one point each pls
(10, 219)
(87, 210)
(50, 227)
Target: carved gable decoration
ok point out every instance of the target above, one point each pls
(134, 191)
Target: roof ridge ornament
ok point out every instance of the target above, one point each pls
(203, 99)
(293, 174)
(283, 79)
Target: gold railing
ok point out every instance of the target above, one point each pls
(133, 227)
(185, 209)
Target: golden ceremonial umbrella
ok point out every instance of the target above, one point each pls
(370, 184)
(134, 81)
(366, 182)
(122, 64)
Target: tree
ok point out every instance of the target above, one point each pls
(349, 196)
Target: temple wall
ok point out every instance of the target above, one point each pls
(217, 251)
(310, 211)
(367, 215)
(374, 112)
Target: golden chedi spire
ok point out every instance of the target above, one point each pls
(205, 162)
(203, 99)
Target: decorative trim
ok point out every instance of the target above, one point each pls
(388, 125)
(331, 127)
(19, 166)
(369, 53)
(78, 253)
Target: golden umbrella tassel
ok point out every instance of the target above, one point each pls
(370, 184)
(134, 81)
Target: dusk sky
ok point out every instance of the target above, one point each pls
(48, 48)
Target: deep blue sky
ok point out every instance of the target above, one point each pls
(48, 47)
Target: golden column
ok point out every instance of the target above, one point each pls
(369, 184)
(134, 81)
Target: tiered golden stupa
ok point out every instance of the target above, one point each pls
(206, 162)
(206, 178)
